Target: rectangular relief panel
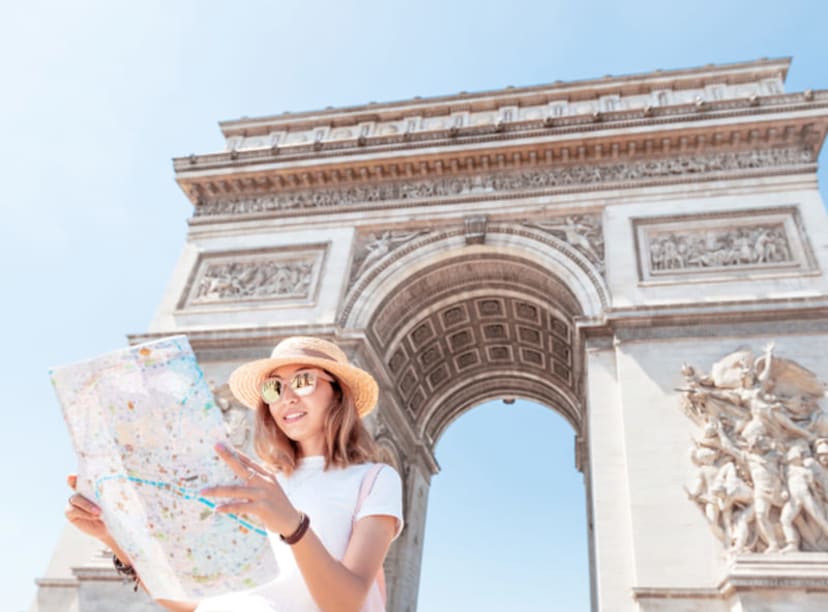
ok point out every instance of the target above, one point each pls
(726, 246)
(257, 278)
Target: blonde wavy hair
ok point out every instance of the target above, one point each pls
(347, 441)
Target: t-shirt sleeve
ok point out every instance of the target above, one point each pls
(385, 497)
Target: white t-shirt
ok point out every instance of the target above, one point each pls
(329, 498)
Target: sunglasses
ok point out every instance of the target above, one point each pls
(302, 383)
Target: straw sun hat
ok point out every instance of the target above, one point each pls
(246, 381)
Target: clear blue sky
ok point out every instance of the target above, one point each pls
(97, 96)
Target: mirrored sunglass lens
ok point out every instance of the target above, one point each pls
(271, 390)
(303, 383)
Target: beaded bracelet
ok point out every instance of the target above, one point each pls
(127, 571)
(293, 538)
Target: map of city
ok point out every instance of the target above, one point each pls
(144, 424)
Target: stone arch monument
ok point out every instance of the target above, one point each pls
(622, 250)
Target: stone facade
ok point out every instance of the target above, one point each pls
(573, 244)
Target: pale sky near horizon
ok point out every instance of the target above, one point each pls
(98, 96)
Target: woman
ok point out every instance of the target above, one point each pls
(316, 455)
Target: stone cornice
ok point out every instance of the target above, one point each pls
(622, 85)
(294, 184)
(249, 167)
(706, 314)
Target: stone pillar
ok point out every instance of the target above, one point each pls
(403, 566)
(612, 555)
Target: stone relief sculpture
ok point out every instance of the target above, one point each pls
(761, 459)
(377, 245)
(713, 248)
(584, 232)
(237, 418)
(547, 178)
(253, 279)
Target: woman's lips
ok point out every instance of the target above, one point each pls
(292, 417)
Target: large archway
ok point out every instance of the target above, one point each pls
(456, 326)
(507, 523)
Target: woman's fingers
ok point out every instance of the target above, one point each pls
(72, 481)
(251, 464)
(231, 458)
(79, 501)
(74, 513)
(236, 508)
(237, 492)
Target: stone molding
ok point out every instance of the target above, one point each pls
(509, 184)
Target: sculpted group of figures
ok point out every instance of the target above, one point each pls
(709, 249)
(761, 460)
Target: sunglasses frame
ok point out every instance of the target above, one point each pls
(301, 391)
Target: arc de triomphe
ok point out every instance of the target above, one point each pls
(644, 254)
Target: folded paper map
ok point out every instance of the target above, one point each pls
(144, 425)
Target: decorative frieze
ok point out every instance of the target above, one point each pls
(240, 277)
(481, 186)
(723, 245)
(761, 454)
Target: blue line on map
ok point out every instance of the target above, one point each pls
(185, 493)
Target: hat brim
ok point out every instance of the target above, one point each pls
(246, 381)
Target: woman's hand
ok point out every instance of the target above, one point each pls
(85, 515)
(262, 496)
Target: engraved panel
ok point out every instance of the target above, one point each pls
(532, 357)
(559, 327)
(529, 335)
(397, 360)
(430, 355)
(461, 339)
(438, 376)
(723, 246)
(455, 315)
(467, 359)
(409, 380)
(490, 308)
(416, 402)
(495, 331)
(562, 371)
(499, 353)
(422, 334)
(260, 277)
(527, 312)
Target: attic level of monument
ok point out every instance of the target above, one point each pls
(717, 81)
(742, 127)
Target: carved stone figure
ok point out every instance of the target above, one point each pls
(716, 248)
(755, 478)
(378, 245)
(254, 279)
(584, 232)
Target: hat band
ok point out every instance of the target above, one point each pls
(305, 352)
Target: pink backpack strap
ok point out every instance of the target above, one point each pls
(364, 491)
